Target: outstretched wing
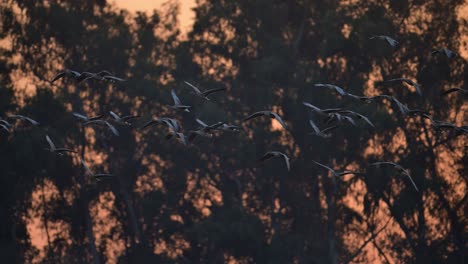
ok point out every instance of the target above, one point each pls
(51, 144)
(22, 117)
(80, 116)
(255, 115)
(383, 163)
(114, 115)
(364, 118)
(314, 126)
(182, 138)
(5, 128)
(216, 125)
(150, 123)
(215, 90)
(175, 98)
(286, 159)
(59, 76)
(88, 170)
(113, 78)
(203, 124)
(311, 106)
(411, 179)
(324, 166)
(391, 41)
(328, 129)
(112, 128)
(65, 150)
(130, 117)
(102, 176)
(197, 91)
(277, 117)
(456, 89)
(338, 89)
(267, 156)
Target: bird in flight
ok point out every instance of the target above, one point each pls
(179, 135)
(452, 90)
(98, 176)
(409, 82)
(337, 173)
(269, 114)
(54, 149)
(449, 53)
(230, 128)
(392, 42)
(103, 122)
(357, 115)
(123, 120)
(205, 130)
(321, 111)
(322, 133)
(275, 154)
(402, 170)
(177, 104)
(206, 93)
(338, 89)
(170, 122)
(24, 118)
(77, 76)
(85, 118)
(4, 126)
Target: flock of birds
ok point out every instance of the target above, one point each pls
(333, 116)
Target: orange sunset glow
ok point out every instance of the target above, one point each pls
(203, 131)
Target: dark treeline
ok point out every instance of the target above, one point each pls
(209, 202)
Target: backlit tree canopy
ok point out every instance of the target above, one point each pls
(211, 201)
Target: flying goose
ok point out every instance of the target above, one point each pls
(409, 82)
(208, 128)
(392, 42)
(338, 89)
(204, 130)
(337, 173)
(112, 78)
(68, 73)
(357, 115)
(5, 127)
(177, 104)
(450, 54)
(179, 135)
(85, 118)
(123, 120)
(91, 75)
(204, 94)
(98, 176)
(441, 124)
(53, 149)
(275, 154)
(24, 118)
(266, 113)
(340, 118)
(227, 127)
(321, 133)
(321, 111)
(103, 122)
(5, 123)
(170, 122)
(456, 89)
(402, 170)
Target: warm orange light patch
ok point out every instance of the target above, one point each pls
(103, 223)
(186, 15)
(43, 194)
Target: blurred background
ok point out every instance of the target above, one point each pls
(209, 202)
